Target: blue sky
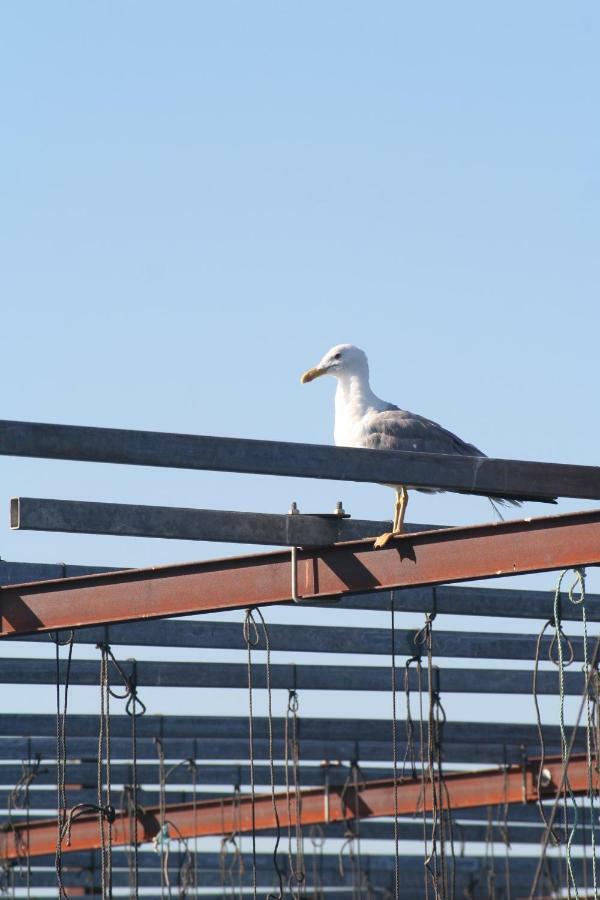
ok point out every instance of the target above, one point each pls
(198, 199)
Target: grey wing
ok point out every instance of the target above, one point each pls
(398, 429)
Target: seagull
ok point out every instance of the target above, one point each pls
(363, 420)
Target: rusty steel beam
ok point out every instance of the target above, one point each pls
(411, 560)
(507, 603)
(463, 790)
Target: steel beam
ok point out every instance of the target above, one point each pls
(222, 816)
(83, 517)
(291, 676)
(454, 554)
(466, 829)
(513, 603)
(473, 475)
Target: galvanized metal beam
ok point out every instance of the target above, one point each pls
(426, 558)
(233, 750)
(291, 676)
(85, 774)
(222, 816)
(176, 523)
(236, 727)
(470, 872)
(473, 475)
(200, 633)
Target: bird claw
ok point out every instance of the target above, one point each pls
(383, 540)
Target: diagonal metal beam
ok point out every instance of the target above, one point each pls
(514, 784)
(510, 603)
(474, 475)
(425, 558)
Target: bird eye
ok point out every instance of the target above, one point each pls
(338, 356)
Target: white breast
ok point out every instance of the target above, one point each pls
(355, 404)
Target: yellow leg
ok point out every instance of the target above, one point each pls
(398, 524)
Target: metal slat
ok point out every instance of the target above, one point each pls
(478, 749)
(476, 475)
(292, 676)
(379, 869)
(232, 727)
(82, 517)
(319, 639)
(82, 773)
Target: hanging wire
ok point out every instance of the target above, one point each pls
(409, 752)
(106, 813)
(161, 840)
(348, 849)
(395, 746)
(193, 767)
(232, 873)
(505, 835)
(490, 869)
(316, 836)
(353, 785)
(579, 600)
(446, 824)
(432, 863)
(61, 752)
(252, 639)
(422, 793)
(568, 793)
(589, 681)
(19, 799)
(550, 623)
(297, 875)
(186, 863)
(130, 808)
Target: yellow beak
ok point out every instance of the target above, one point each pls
(311, 375)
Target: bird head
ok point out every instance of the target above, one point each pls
(343, 359)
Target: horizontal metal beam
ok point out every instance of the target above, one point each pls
(86, 774)
(234, 750)
(473, 475)
(291, 676)
(471, 872)
(176, 523)
(222, 816)
(454, 554)
(323, 639)
(512, 603)
(236, 727)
